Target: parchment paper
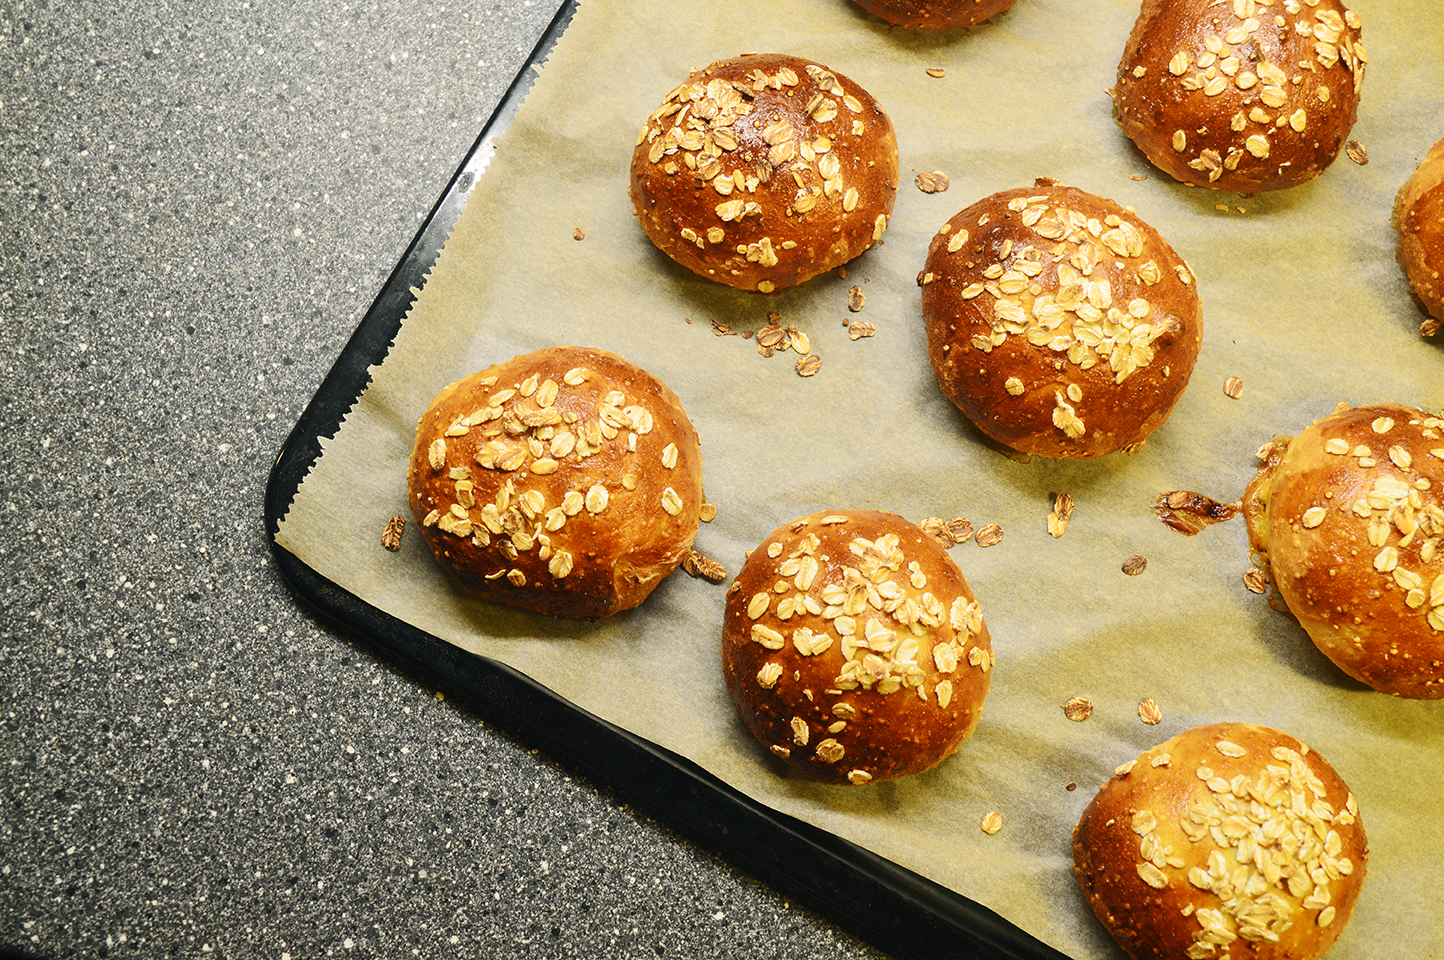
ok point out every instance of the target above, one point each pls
(1303, 301)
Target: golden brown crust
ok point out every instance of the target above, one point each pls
(765, 170)
(935, 14)
(1348, 518)
(1419, 218)
(1227, 841)
(1241, 95)
(1059, 322)
(854, 649)
(566, 481)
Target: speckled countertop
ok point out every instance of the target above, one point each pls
(198, 203)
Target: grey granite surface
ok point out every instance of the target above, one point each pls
(198, 202)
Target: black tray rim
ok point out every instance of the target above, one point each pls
(896, 909)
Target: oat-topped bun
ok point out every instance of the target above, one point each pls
(1419, 218)
(934, 14)
(765, 170)
(1059, 322)
(1227, 842)
(854, 649)
(1347, 519)
(1241, 95)
(565, 481)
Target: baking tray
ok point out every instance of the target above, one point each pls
(895, 908)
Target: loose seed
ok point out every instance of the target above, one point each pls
(1135, 565)
(992, 823)
(391, 536)
(1078, 709)
(1148, 711)
(990, 535)
(934, 182)
(702, 566)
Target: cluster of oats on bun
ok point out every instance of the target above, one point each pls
(854, 649)
(566, 481)
(1347, 520)
(1241, 95)
(1227, 841)
(764, 170)
(1060, 322)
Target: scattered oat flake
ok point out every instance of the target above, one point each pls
(707, 512)
(859, 329)
(1078, 709)
(961, 528)
(1062, 513)
(1139, 176)
(1071, 785)
(932, 182)
(990, 535)
(1357, 152)
(809, 365)
(1148, 711)
(1430, 327)
(937, 73)
(772, 337)
(722, 329)
(856, 298)
(579, 234)
(992, 822)
(1233, 387)
(1256, 580)
(938, 530)
(391, 536)
(1135, 565)
(699, 565)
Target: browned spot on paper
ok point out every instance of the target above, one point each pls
(1189, 512)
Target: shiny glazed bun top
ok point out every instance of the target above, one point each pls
(1061, 323)
(1227, 842)
(1347, 519)
(765, 170)
(854, 649)
(566, 481)
(1241, 95)
(934, 14)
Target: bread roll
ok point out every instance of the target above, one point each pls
(935, 14)
(1241, 95)
(1058, 321)
(566, 481)
(765, 170)
(1347, 519)
(1227, 841)
(1419, 218)
(854, 649)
